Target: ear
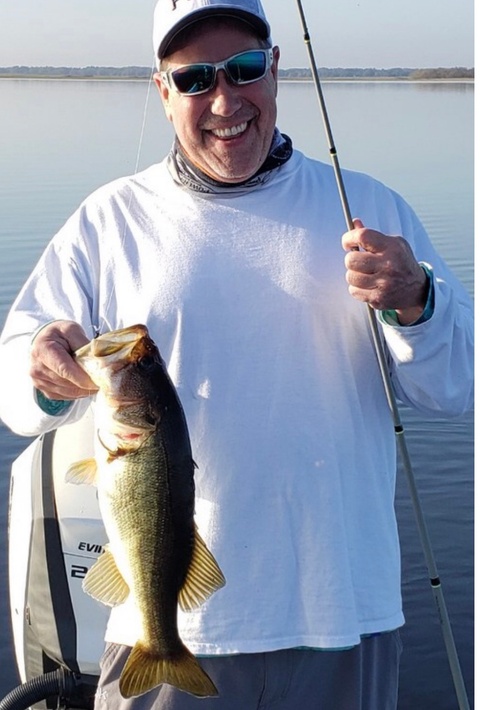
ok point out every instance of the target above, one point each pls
(274, 67)
(164, 92)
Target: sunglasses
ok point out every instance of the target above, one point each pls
(243, 68)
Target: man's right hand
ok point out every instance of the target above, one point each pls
(52, 366)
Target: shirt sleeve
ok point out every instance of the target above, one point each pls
(67, 295)
(432, 359)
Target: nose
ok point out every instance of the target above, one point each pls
(225, 96)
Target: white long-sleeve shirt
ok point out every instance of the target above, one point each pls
(273, 360)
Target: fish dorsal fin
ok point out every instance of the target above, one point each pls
(104, 581)
(203, 578)
(84, 471)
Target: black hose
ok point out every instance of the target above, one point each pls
(36, 689)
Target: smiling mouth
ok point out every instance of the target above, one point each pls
(231, 132)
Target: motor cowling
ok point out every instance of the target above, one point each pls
(55, 535)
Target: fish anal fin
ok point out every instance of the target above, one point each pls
(84, 471)
(203, 578)
(145, 670)
(104, 581)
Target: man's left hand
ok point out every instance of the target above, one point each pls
(384, 273)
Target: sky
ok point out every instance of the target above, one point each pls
(344, 33)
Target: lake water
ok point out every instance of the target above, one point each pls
(59, 140)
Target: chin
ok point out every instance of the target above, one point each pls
(234, 175)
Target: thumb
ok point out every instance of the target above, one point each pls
(351, 240)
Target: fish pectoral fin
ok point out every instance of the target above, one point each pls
(203, 578)
(84, 471)
(104, 581)
(145, 670)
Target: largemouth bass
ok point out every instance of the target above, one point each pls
(143, 468)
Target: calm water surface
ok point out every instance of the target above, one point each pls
(60, 140)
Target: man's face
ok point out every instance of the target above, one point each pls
(227, 131)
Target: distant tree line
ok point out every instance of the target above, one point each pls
(370, 72)
(443, 73)
(135, 72)
(131, 72)
(345, 73)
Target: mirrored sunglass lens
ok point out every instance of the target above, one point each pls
(247, 67)
(194, 78)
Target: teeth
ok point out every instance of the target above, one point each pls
(228, 132)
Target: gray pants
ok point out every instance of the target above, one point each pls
(364, 678)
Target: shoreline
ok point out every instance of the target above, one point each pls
(289, 80)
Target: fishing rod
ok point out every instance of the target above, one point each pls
(435, 583)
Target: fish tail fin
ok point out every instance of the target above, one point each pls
(145, 670)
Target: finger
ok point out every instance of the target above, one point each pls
(349, 239)
(363, 281)
(369, 292)
(366, 239)
(369, 296)
(52, 362)
(361, 261)
(52, 365)
(62, 364)
(56, 387)
(68, 333)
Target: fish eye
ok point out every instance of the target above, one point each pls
(147, 362)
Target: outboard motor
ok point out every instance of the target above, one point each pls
(55, 535)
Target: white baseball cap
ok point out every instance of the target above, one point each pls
(171, 16)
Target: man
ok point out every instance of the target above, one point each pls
(230, 251)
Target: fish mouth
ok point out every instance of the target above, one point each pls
(106, 356)
(115, 350)
(116, 345)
